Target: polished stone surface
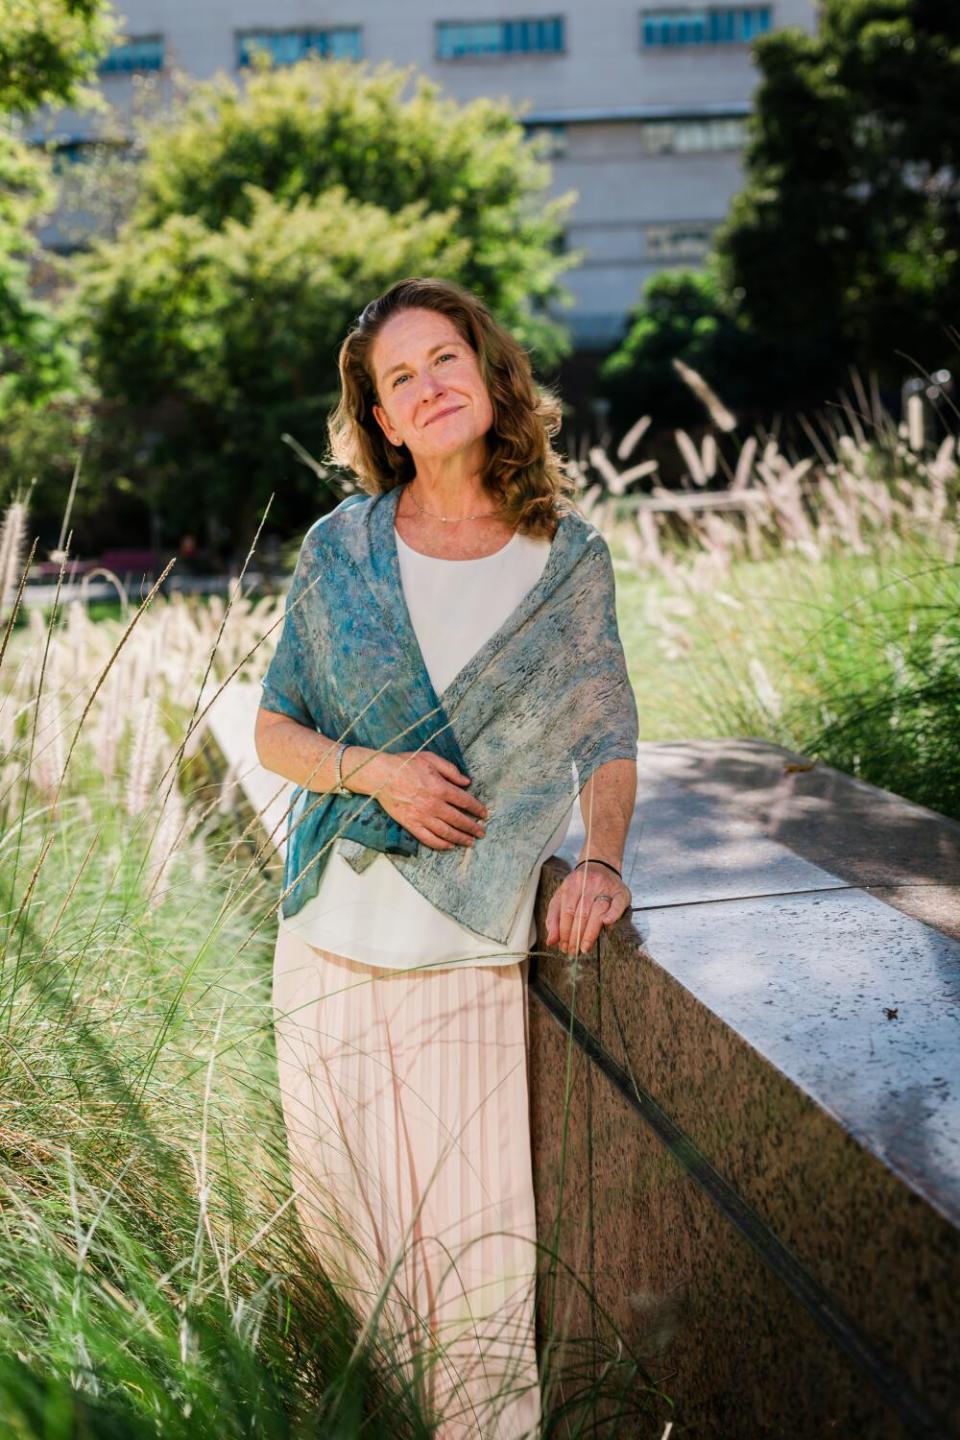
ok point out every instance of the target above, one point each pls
(866, 836)
(760, 1027)
(682, 847)
(882, 1255)
(855, 1001)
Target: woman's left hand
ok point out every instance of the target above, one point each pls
(577, 909)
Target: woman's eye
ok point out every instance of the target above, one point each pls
(447, 355)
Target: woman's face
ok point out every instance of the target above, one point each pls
(432, 395)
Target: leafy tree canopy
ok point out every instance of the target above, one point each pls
(847, 233)
(843, 247)
(683, 313)
(300, 130)
(680, 314)
(247, 317)
(49, 49)
(266, 220)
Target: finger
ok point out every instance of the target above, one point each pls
(581, 915)
(593, 926)
(556, 913)
(610, 914)
(458, 835)
(460, 822)
(562, 921)
(579, 918)
(448, 770)
(551, 923)
(569, 909)
(592, 920)
(588, 927)
(465, 802)
(430, 837)
(568, 912)
(615, 909)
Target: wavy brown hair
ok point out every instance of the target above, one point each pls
(522, 469)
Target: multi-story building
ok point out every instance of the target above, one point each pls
(645, 103)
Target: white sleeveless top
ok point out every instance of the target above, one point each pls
(377, 917)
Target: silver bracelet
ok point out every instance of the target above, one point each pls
(340, 788)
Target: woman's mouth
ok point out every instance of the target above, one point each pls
(450, 410)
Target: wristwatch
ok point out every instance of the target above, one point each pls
(340, 788)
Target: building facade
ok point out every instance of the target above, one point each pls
(644, 104)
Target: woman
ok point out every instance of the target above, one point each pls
(460, 603)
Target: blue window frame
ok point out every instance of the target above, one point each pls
(131, 56)
(713, 25)
(553, 133)
(71, 150)
(540, 36)
(286, 47)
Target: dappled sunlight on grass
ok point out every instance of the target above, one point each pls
(162, 1279)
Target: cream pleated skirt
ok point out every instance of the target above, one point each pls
(406, 1107)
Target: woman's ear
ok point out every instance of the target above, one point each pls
(379, 414)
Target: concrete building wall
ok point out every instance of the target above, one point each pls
(647, 200)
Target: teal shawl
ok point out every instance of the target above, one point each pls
(546, 693)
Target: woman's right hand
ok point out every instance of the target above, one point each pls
(425, 794)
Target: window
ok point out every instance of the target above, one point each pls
(715, 25)
(131, 56)
(286, 47)
(457, 41)
(692, 137)
(682, 240)
(73, 150)
(675, 27)
(554, 138)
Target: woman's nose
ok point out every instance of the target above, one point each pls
(431, 396)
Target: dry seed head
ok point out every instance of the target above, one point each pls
(692, 457)
(745, 460)
(636, 472)
(143, 758)
(709, 453)
(764, 688)
(719, 413)
(633, 435)
(600, 461)
(165, 841)
(13, 540)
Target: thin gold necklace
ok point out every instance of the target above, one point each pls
(449, 519)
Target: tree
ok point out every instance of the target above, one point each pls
(844, 245)
(48, 52)
(264, 223)
(683, 313)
